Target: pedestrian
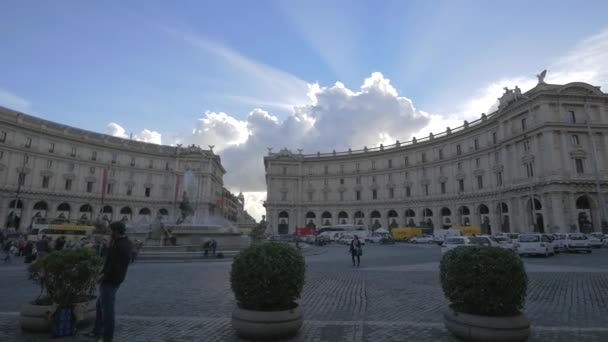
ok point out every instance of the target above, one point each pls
(113, 274)
(213, 247)
(356, 250)
(206, 246)
(134, 251)
(42, 247)
(59, 243)
(9, 250)
(20, 246)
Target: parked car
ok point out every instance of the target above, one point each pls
(594, 241)
(377, 237)
(560, 241)
(454, 242)
(485, 240)
(535, 244)
(504, 242)
(552, 243)
(577, 242)
(422, 239)
(598, 235)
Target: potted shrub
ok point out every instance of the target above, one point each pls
(486, 287)
(67, 279)
(266, 280)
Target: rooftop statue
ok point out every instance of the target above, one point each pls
(541, 76)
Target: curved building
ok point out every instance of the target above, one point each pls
(56, 172)
(529, 166)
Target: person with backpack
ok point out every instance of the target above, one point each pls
(356, 250)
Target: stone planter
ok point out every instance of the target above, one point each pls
(36, 318)
(267, 325)
(487, 328)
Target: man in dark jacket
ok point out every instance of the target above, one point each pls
(110, 278)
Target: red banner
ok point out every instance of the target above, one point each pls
(104, 185)
(304, 231)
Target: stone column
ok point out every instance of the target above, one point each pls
(557, 208)
(437, 223)
(495, 225)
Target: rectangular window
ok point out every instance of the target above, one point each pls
(440, 154)
(373, 179)
(114, 158)
(523, 124)
(21, 179)
(45, 182)
(1, 154)
(326, 169)
(499, 178)
(494, 139)
(461, 185)
(68, 184)
(374, 194)
(423, 157)
(51, 147)
(129, 191)
(94, 155)
(408, 191)
(390, 163)
(526, 145)
(26, 159)
(579, 165)
(572, 116)
(575, 140)
(132, 161)
(406, 161)
(458, 150)
(390, 177)
(341, 181)
(341, 196)
(459, 165)
(49, 164)
(147, 192)
(477, 162)
(89, 186)
(530, 170)
(28, 142)
(476, 144)
(73, 153)
(373, 164)
(497, 157)
(284, 170)
(479, 182)
(151, 164)
(426, 189)
(358, 179)
(443, 187)
(167, 166)
(110, 188)
(3, 136)
(358, 195)
(284, 196)
(310, 196)
(391, 193)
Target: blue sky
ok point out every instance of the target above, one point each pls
(161, 65)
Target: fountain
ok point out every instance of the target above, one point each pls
(185, 237)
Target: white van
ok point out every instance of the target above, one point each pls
(531, 244)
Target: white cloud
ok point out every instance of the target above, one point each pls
(221, 130)
(12, 101)
(146, 135)
(254, 201)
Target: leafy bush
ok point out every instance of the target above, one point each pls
(486, 281)
(67, 276)
(268, 277)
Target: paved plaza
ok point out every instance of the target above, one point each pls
(394, 296)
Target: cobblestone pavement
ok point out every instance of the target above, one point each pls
(394, 296)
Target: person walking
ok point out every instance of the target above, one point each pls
(355, 250)
(113, 274)
(213, 247)
(9, 249)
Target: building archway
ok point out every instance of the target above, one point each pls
(126, 213)
(410, 218)
(359, 217)
(427, 219)
(85, 213)
(484, 219)
(283, 226)
(534, 215)
(342, 217)
(63, 213)
(311, 219)
(503, 213)
(446, 220)
(464, 216)
(393, 217)
(107, 213)
(40, 212)
(15, 210)
(326, 218)
(584, 214)
(375, 217)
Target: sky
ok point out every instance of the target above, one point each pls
(311, 75)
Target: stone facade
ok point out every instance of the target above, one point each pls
(484, 173)
(56, 170)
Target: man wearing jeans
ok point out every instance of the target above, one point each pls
(110, 278)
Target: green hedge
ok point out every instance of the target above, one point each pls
(268, 277)
(486, 281)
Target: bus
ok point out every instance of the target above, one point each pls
(71, 232)
(334, 232)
